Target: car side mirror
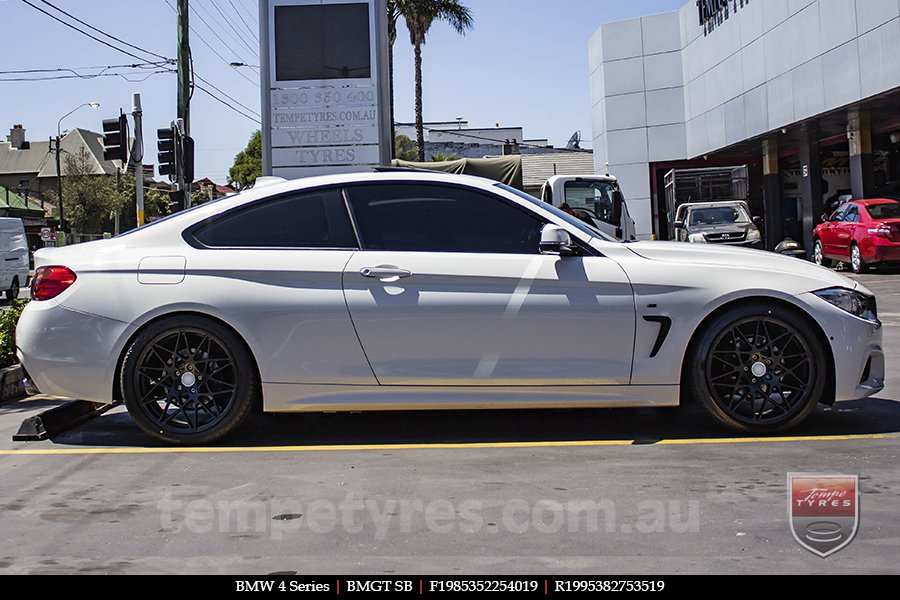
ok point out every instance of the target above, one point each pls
(824, 218)
(618, 206)
(557, 241)
(679, 224)
(758, 221)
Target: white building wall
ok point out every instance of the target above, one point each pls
(662, 90)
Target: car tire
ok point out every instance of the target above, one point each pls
(188, 380)
(757, 369)
(13, 292)
(857, 264)
(819, 255)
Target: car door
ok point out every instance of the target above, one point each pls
(274, 269)
(450, 288)
(829, 232)
(846, 230)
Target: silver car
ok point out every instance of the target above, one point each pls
(726, 223)
(389, 291)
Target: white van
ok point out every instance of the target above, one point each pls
(13, 256)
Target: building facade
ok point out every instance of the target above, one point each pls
(805, 93)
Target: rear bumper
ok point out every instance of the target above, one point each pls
(881, 253)
(69, 353)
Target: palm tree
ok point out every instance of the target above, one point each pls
(420, 15)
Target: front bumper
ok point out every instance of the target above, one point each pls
(69, 353)
(857, 348)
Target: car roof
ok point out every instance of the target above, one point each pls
(874, 201)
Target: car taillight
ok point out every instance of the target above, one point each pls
(884, 231)
(50, 282)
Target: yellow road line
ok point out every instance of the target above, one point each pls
(454, 446)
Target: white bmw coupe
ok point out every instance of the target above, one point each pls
(405, 290)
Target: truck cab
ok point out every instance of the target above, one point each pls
(595, 199)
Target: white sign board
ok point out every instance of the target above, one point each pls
(324, 86)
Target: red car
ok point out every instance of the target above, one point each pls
(860, 232)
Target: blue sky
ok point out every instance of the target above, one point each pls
(525, 63)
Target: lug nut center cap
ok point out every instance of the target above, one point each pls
(758, 369)
(188, 379)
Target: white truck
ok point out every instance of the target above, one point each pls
(595, 199)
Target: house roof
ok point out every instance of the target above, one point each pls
(30, 161)
(38, 159)
(538, 168)
(72, 143)
(11, 200)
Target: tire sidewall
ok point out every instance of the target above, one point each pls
(697, 365)
(245, 388)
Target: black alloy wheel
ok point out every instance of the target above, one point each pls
(759, 369)
(188, 380)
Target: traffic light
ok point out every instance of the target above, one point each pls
(177, 201)
(187, 158)
(115, 139)
(167, 144)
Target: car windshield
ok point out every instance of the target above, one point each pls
(719, 215)
(571, 220)
(596, 197)
(888, 210)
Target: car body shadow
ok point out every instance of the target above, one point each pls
(638, 426)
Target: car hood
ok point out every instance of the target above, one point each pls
(740, 258)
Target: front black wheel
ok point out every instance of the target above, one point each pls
(758, 369)
(188, 380)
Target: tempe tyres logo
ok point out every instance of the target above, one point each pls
(823, 510)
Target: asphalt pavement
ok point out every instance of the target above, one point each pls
(592, 491)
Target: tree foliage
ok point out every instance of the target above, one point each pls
(404, 148)
(247, 164)
(90, 200)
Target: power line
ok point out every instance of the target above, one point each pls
(250, 13)
(232, 107)
(74, 70)
(61, 77)
(240, 37)
(213, 50)
(81, 31)
(214, 32)
(244, 21)
(121, 41)
(251, 110)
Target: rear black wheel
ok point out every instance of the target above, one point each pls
(188, 380)
(13, 292)
(758, 369)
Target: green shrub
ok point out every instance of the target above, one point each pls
(8, 320)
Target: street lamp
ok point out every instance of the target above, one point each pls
(59, 189)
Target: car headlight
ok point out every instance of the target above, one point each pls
(753, 235)
(697, 238)
(855, 303)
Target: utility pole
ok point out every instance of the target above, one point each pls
(137, 153)
(184, 85)
(59, 183)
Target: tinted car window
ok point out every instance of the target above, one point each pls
(852, 215)
(431, 218)
(839, 213)
(307, 220)
(884, 211)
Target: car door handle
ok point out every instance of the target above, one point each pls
(385, 273)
